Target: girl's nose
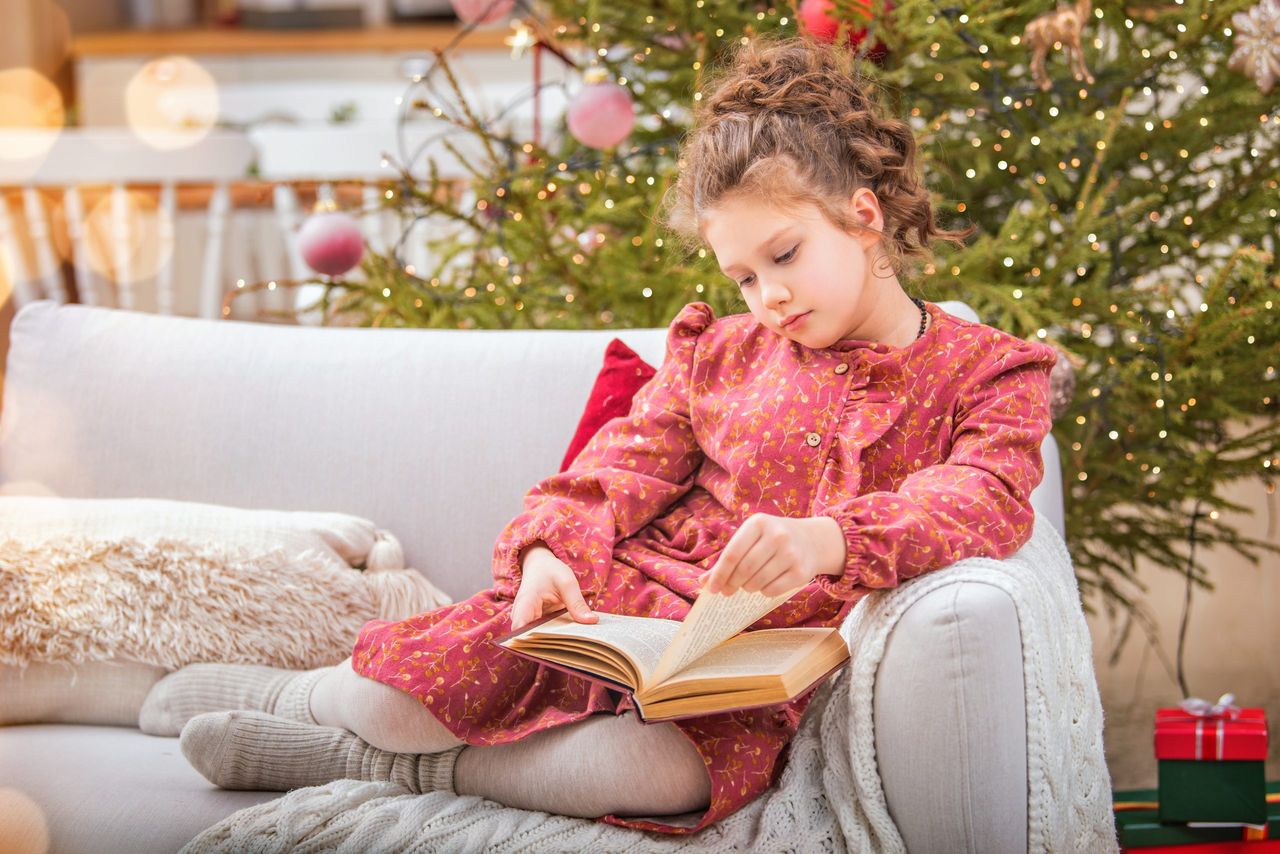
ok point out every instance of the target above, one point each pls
(773, 294)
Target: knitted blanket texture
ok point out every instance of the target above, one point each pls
(829, 796)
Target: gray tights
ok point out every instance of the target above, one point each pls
(604, 764)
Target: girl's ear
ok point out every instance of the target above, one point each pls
(864, 208)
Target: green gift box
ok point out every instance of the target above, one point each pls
(1138, 822)
(1198, 790)
(1210, 762)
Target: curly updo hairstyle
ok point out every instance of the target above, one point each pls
(791, 121)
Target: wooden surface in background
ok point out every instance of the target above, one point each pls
(231, 40)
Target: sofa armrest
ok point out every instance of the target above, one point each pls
(950, 723)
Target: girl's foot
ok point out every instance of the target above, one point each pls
(258, 751)
(200, 688)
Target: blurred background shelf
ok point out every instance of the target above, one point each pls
(241, 41)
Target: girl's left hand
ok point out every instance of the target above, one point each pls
(774, 554)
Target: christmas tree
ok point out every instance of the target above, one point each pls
(1120, 165)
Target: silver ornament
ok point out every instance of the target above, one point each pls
(1257, 42)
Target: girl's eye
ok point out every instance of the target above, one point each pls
(785, 259)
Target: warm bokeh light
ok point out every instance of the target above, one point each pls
(8, 271)
(142, 251)
(31, 117)
(171, 102)
(23, 826)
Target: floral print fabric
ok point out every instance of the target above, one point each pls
(924, 454)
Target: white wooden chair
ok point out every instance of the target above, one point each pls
(110, 166)
(96, 219)
(77, 219)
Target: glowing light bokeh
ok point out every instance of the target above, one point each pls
(7, 273)
(143, 250)
(31, 117)
(171, 102)
(23, 826)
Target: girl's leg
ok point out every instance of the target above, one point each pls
(386, 717)
(601, 765)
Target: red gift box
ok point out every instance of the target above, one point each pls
(1232, 735)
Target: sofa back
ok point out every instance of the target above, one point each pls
(434, 434)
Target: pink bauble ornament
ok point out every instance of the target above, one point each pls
(482, 11)
(602, 114)
(330, 243)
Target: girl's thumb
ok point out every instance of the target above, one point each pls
(577, 605)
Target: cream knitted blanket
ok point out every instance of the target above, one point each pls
(829, 796)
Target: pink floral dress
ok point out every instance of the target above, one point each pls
(925, 455)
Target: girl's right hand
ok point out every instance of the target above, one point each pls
(547, 581)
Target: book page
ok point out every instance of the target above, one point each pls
(715, 617)
(768, 652)
(641, 639)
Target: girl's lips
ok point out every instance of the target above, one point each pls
(792, 324)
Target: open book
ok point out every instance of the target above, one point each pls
(700, 666)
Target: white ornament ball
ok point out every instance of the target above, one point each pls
(602, 115)
(482, 11)
(331, 243)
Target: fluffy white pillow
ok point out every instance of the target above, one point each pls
(100, 596)
(340, 539)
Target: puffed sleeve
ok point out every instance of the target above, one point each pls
(633, 468)
(978, 502)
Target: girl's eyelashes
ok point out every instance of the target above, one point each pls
(785, 259)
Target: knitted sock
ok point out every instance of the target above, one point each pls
(200, 688)
(254, 750)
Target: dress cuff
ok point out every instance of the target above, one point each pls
(507, 572)
(848, 585)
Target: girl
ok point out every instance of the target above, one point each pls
(842, 436)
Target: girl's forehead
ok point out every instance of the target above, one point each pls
(751, 221)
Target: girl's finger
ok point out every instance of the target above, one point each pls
(774, 577)
(779, 583)
(571, 595)
(749, 568)
(735, 550)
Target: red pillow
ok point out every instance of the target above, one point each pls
(624, 373)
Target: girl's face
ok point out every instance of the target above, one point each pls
(800, 263)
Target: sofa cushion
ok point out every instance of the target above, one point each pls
(109, 790)
(624, 373)
(435, 433)
(107, 693)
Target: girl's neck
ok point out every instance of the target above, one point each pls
(900, 319)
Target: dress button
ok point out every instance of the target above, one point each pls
(842, 368)
(814, 439)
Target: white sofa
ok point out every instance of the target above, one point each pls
(435, 435)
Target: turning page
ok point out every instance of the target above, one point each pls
(715, 617)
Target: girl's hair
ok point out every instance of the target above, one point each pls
(789, 122)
